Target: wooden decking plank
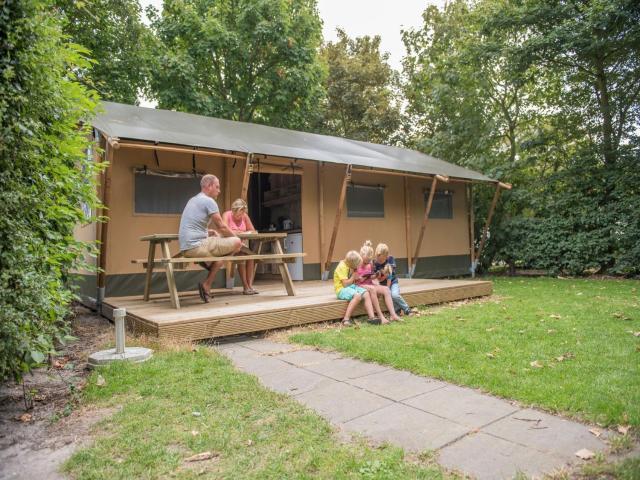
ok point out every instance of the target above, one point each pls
(233, 313)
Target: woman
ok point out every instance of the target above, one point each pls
(238, 221)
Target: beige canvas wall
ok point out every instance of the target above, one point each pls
(443, 237)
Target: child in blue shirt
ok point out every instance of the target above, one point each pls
(385, 264)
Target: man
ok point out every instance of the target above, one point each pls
(194, 231)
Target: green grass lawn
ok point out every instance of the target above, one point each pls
(254, 433)
(565, 345)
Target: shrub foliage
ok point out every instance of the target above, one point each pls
(45, 177)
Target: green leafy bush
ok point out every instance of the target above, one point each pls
(45, 177)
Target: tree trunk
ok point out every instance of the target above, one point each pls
(609, 150)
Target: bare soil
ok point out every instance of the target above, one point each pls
(42, 422)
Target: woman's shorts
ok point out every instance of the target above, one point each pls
(347, 293)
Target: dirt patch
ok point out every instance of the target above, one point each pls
(40, 429)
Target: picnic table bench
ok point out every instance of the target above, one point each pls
(170, 263)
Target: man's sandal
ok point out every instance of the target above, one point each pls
(204, 295)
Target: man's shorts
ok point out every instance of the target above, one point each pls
(213, 247)
(347, 293)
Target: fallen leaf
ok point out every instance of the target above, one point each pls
(196, 414)
(201, 456)
(585, 454)
(536, 364)
(490, 355)
(636, 334)
(100, 381)
(490, 329)
(25, 417)
(595, 432)
(551, 330)
(579, 293)
(249, 443)
(623, 429)
(553, 315)
(195, 433)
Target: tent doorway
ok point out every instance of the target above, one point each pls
(275, 204)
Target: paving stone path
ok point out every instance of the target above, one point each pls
(478, 434)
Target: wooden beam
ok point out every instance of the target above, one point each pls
(116, 145)
(407, 220)
(248, 170)
(104, 227)
(320, 173)
(472, 248)
(485, 230)
(336, 223)
(227, 186)
(410, 175)
(425, 220)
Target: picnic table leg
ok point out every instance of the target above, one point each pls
(171, 280)
(255, 265)
(284, 271)
(150, 259)
(230, 274)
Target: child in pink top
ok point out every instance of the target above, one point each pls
(366, 280)
(238, 220)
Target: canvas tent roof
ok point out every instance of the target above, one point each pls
(164, 126)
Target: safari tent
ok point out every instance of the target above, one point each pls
(336, 192)
(331, 193)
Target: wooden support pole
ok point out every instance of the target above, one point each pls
(117, 145)
(336, 223)
(472, 248)
(320, 173)
(407, 220)
(248, 170)
(104, 227)
(425, 220)
(227, 186)
(485, 230)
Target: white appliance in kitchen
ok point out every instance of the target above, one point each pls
(293, 244)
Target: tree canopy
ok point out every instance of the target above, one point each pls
(362, 91)
(118, 44)
(247, 60)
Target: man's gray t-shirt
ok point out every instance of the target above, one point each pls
(195, 220)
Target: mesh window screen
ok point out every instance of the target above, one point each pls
(365, 201)
(163, 193)
(442, 206)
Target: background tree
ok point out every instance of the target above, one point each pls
(245, 60)
(118, 43)
(45, 176)
(517, 91)
(362, 91)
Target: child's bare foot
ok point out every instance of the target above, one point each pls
(396, 319)
(384, 321)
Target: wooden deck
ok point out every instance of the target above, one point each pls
(231, 313)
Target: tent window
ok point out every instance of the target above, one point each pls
(365, 201)
(163, 193)
(442, 206)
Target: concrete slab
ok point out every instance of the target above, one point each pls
(489, 458)
(252, 362)
(339, 402)
(462, 405)
(269, 347)
(293, 380)
(546, 433)
(345, 368)
(396, 384)
(307, 358)
(408, 427)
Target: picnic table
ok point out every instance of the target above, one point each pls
(169, 263)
